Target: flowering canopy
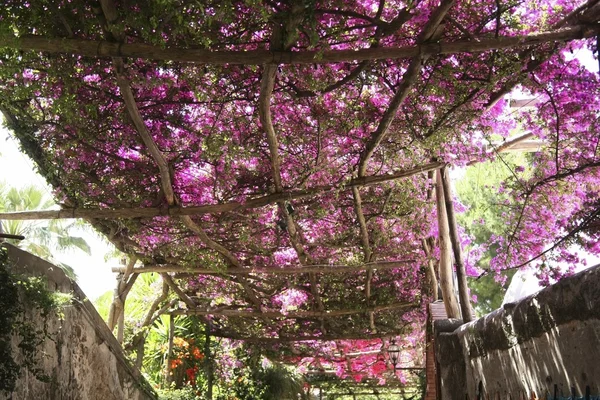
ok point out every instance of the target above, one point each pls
(276, 154)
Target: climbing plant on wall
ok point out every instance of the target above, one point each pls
(25, 303)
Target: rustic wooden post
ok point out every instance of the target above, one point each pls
(463, 290)
(116, 314)
(431, 274)
(208, 362)
(446, 275)
(168, 376)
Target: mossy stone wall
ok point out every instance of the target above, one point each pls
(526, 348)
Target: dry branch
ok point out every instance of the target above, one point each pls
(111, 14)
(142, 130)
(408, 80)
(364, 235)
(463, 290)
(267, 84)
(184, 297)
(211, 244)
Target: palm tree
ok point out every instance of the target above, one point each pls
(42, 238)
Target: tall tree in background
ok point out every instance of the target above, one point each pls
(480, 190)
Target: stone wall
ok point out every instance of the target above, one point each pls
(83, 359)
(546, 342)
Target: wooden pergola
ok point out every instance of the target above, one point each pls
(366, 312)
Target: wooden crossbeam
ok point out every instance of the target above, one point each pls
(175, 211)
(101, 48)
(292, 314)
(308, 338)
(316, 268)
(9, 236)
(523, 103)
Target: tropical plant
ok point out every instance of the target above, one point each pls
(42, 238)
(480, 192)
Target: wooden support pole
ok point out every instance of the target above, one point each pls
(446, 275)
(168, 375)
(463, 290)
(121, 326)
(430, 272)
(208, 361)
(116, 312)
(428, 245)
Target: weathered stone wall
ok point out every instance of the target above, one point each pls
(83, 359)
(525, 349)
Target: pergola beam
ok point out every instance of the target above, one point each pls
(176, 211)
(317, 268)
(314, 338)
(102, 48)
(292, 314)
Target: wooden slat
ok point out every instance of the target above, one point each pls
(100, 48)
(103, 213)
(316, 268)
(293, 314)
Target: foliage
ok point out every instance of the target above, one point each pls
(486, 205)
(9, 312)
(258, 378)
(185, 393)
(41, 239)
(102, 304)
(19, 296)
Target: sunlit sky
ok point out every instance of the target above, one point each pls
(94, 275)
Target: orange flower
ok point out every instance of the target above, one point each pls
(191, 374)
(180, 342)
(197, 354)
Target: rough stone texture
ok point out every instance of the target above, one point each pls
(83, 359)
(525, 349)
